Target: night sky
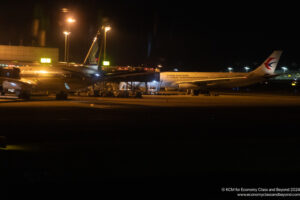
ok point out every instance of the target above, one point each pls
(188, 35)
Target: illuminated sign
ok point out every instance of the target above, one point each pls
(45, 60)
(106, 63)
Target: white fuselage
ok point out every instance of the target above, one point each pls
(184, 80)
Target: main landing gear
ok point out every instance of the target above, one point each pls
(194, 92)
(23, 94)
(2, 92)
(61, 96)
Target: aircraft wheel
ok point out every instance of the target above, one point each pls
(138, 95)
(23, 94)
(62, 96)
(195, 92)
(96, 93)
(2, 91)
(207, 93)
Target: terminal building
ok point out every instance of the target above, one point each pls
(27, 55)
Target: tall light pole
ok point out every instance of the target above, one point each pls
(69, 21)
(66, 33)
(106, 28)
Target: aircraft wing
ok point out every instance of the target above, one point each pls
(272, 75)
(211, 81)
(133, 76)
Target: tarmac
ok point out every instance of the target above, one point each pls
(218, 140)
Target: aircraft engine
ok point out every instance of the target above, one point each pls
(188, 86)
(10, 72)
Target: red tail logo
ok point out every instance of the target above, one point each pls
(268, 64)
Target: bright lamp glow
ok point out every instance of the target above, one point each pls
(45, 60)
(107, 28)
(41, 72)
(64, 10)
(106, 63)
(67, 33)
(71, 20)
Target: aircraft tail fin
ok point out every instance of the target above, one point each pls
(93, 54)
(269, 65)
(91, 57)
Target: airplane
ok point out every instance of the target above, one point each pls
(197, 82)
(61, 79)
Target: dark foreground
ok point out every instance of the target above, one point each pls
(200, 143)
